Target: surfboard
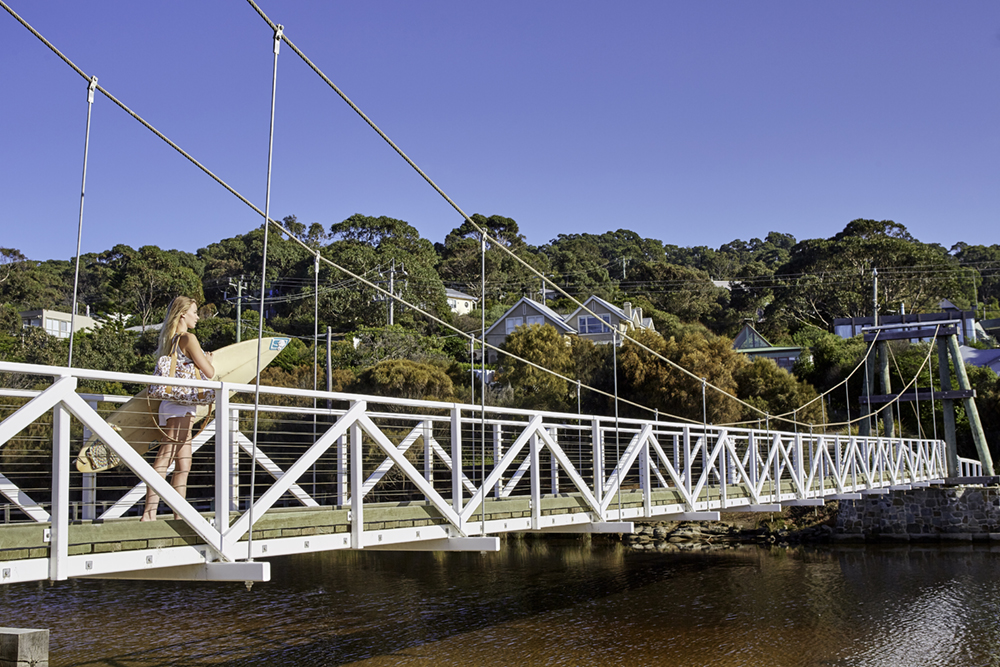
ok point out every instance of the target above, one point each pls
(136, 420)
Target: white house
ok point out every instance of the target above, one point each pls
(460, 303)
(57, 323)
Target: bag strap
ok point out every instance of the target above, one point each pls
(173, 355)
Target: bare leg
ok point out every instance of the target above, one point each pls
(182, 459)
(176, 449)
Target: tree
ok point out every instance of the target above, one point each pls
(775, 391)
(371, 247)
(404, 378)
(143, 282)
(687, 293)
(830, 278)
(461, 261)
(11, 259)
(580, 267)
(534, 387)
(646, 379)
(981, 264)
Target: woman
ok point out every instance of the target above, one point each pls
(175, 419)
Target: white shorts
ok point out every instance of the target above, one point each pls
(171, 410)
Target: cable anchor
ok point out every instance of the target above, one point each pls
(278, 32)
(90, 89)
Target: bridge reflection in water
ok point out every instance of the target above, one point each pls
(341, 471)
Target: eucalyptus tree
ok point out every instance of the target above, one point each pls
(829, 278)
(507, 279)
(386, 252)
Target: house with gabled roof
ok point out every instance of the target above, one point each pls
(460, 303)
(525, 311)
(749, 342)
(597, 319)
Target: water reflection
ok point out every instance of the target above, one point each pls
(541, 602)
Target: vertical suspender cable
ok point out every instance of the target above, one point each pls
(847, 404)
(933, 404)
(482, 379)
(315, 353)
(263, 283)
(79, 230)
(618, 456)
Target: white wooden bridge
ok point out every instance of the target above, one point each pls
(343, 471)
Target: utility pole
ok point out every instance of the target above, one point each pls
(392, 287)
(875, 295)
(239, 285)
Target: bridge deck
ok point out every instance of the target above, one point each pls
(563, 511)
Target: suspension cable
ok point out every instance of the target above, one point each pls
(468, 219)
(385, 137)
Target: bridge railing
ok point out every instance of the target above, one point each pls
(392, 473)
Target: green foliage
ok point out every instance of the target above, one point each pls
(648, 380)
(295, 354)
(684, 292)
(533, 387)
(404, 378)
(775, 391)
(143, 282)
(833, 277)
(368, 247)
(507, 279)
(216, 332)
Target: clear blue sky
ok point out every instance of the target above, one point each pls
(690, 122)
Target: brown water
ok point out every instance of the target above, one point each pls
(543, 602)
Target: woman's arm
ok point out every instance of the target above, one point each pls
(192, 348)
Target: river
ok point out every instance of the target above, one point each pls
(544, 602)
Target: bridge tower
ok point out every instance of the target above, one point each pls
(946, 336)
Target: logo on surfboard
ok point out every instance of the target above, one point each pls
(279, 344)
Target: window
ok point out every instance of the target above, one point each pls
(57, 328)
(592, 325)
(535, 320)
(513, 323)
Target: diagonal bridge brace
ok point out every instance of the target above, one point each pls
(86, 414)
(534, 427)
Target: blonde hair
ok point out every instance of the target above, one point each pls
(175, 312)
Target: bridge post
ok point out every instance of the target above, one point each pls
(948, 409)
(456, 458)
(970, 407)
(598, 446)
(687, 474)
(24, 647)
(723, 475)
(59, 545)
(798, 460)
(223, 459)
(357, 496)
(644, 480)
(497, 455)
(536, 484)
(427, 435)
(553, 463)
